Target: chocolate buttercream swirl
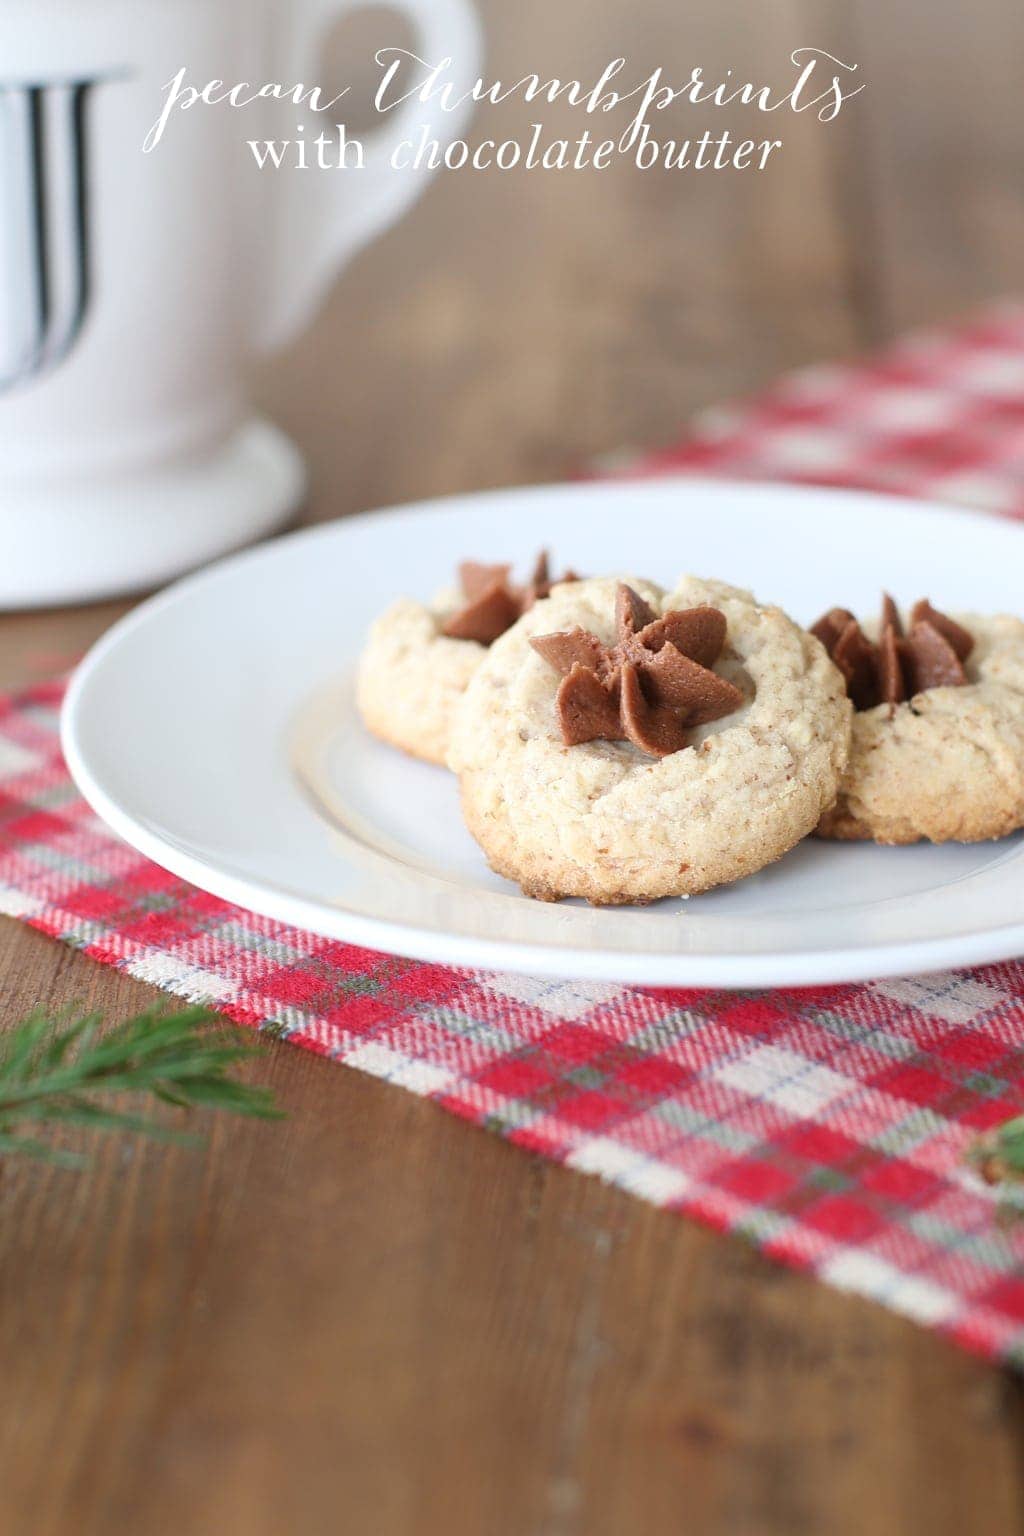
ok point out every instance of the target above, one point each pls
(652, 687)
(491, 603)
(929, 654)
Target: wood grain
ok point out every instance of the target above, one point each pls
(372, 1318)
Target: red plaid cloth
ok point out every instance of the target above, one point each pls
(939, 415)
(827, 1126)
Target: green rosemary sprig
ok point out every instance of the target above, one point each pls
(62, 1071)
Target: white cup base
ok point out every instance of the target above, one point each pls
(105, 539)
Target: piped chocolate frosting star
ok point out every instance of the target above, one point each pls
(652, 687)
(930, 654)
(492, 603)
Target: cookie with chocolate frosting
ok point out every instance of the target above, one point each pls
(419, 657)
(622, 744)
(937, 751)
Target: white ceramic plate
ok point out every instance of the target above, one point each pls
(180, 725)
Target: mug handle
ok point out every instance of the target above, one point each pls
(329, 215)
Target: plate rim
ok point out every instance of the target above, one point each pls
(786, 968)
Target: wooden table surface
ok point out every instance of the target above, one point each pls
(371, 1317)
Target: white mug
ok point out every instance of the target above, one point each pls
(135, 288)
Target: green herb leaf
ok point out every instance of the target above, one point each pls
(61, 1071)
